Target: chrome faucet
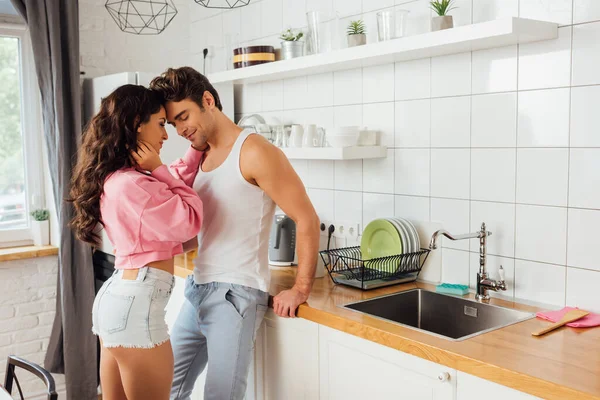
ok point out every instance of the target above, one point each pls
(484, 283)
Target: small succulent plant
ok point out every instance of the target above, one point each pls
(356, 28)
(40, 215)
(442, 7)
(290, 36)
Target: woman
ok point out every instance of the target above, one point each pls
(121, 183)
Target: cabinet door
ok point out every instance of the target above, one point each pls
(473, 388)
(287, 359)
(355, 368)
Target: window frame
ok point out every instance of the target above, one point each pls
(32, 135)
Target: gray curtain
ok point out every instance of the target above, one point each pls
(54, 29)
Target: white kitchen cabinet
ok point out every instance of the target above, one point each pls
(355, 368)
(286, 359)
(473, 388)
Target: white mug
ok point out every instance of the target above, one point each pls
(311, 137)
(296, 136)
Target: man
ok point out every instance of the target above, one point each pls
(240, 177)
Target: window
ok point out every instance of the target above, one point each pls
(21, 183)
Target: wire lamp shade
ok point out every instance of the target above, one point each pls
(141, 17)
(223, 3)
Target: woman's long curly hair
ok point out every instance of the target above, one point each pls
(105, 149)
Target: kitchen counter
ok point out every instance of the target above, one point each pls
(564, 364)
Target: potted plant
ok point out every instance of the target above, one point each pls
(443, 20)
(291, 45)
(356, 33)
(40, 227)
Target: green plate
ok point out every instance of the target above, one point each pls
(380, 239)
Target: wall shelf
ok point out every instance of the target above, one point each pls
(335, 153)
(485, 35)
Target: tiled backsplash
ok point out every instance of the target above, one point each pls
(508, 136)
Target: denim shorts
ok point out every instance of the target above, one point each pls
(131, 313)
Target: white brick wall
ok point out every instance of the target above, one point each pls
(27, 304)
(106, 50)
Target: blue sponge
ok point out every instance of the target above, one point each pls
(448, 288)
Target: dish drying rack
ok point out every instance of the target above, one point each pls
(346, 266)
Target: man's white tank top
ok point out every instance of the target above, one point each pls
(234, 239)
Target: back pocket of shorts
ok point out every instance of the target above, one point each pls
(114, 311)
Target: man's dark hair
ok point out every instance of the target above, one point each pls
(177, 84)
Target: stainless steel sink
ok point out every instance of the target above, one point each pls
(450, 317)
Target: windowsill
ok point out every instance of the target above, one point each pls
(25, 252)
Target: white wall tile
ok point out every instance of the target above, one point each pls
(413, 79)
(559, 11)
(294, 13)
(250, 21)
(380, 117)
(454, 217)
(412, 120)
(412, 208)
(412, 172)
(232, 27)
(295, 93)
(540, 283)
(325, 6)
(451, 122)
(494, 120)
(542, 176)
(495, 70)
(492, 265)
(585, 118)
(251, 99)
(499, 219)
(348, 115)
(377, 206)
(347, 7)
(371, 5)
(462, 14)
(583, 239)
(272, 96)
(584, 178)
(541, 234)
(349, 175)
(451, 75)
(321, 116)
(535, 58)
(323, 201)
(586, 11)
(455, 266)
(320, 89)
(544, 118)
(586, 54)
(489, 10)
(271, 21)
(378, 174)
(347, 87)
(348, 206)
(582, 289)
(320, 174)
(378, 83)
(450, 173)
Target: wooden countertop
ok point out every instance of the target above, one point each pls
(564, 364)
(24, 252)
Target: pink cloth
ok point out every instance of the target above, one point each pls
(586, 322)
(147, 217)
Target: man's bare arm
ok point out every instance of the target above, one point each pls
(267, 166)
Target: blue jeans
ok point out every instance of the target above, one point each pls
(217, 327)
